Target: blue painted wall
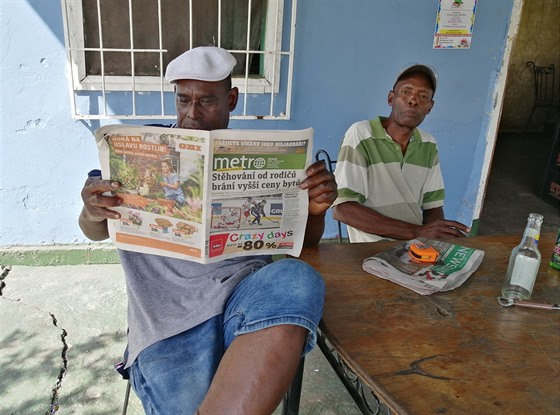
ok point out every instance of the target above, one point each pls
(347, 54)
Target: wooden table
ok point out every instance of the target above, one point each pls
(456, 352)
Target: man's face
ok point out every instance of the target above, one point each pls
(411, 100)
(204, 105)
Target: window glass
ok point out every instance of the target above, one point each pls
(141, 31)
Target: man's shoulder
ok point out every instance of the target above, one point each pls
(367, 126)
(424, 136)
(362, 124)
(360, 130)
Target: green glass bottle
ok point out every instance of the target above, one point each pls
(555, 260)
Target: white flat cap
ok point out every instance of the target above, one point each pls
(419, 67)
(203, 63)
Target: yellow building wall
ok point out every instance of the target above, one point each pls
(538, 40)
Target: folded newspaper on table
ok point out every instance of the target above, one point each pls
(206, 196)
(455, 264)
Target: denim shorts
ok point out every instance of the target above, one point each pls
(172, 376)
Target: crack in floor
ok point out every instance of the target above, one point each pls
(5, 271)
(54, 405)
(54, 401)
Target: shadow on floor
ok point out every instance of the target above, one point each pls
(514, 187)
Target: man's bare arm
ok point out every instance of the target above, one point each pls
(431, 215)
(436, 226)
(370, 221)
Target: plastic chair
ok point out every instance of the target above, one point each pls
(323, 155)
(544, 91)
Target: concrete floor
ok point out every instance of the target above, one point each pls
(63, 327)
(516, 178)
(61, 330)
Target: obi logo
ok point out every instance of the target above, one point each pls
(276, 208)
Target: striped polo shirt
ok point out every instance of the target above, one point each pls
(372, 170)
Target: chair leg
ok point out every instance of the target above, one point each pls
(339, 232)
(529, 121)
(290, 404)
(126, 397)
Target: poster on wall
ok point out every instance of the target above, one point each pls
(454, 24)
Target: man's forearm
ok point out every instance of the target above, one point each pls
(314, 229)
(370, 221)
(431, 215)
(94, 230)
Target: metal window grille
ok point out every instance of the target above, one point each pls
(103, 95)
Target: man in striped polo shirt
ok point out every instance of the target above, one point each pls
(388, 174)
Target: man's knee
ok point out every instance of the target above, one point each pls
(296, 274)
(288, 291)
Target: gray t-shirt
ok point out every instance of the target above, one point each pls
(167, 296)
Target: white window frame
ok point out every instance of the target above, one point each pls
(268, 84)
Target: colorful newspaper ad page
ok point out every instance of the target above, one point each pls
(256, 205)
(206, 196)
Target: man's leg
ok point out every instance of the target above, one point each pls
(172, 376)
(255, 372)
(270, 319)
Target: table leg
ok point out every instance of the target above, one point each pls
(365, 399)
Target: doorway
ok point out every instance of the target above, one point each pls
(521, 155)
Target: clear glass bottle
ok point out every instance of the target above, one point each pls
(524, 262)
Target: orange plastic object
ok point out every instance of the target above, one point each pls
(420, 252)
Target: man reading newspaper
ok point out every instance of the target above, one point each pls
(222, 338)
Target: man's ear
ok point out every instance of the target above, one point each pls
(233, 97)
(431, 106)
(390, 98)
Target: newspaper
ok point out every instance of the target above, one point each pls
(455, 264)
(206, 196)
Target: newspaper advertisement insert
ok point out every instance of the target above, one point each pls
(205, 196)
